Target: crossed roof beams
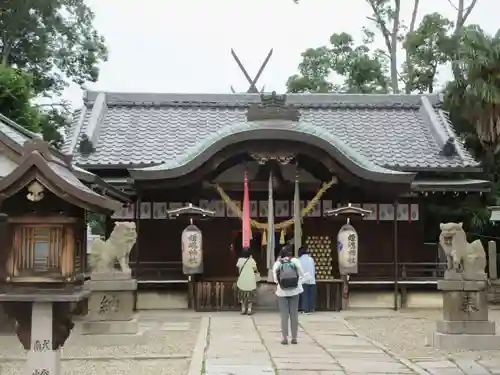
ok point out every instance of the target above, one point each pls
(252, 82)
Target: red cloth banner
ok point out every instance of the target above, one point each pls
(246, 232)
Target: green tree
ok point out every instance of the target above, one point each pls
(475, 96)
(17, 102)
(362, 70)
(427, 46)
(16, 95)
(53, 43)
(386, 16)
(54, 40)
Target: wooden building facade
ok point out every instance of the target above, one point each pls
(380, 152)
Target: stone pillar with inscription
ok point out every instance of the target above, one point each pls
(111, 304)
(42, 359)
(464, 324)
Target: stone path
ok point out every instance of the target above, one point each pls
(241, 345)
(461, 367)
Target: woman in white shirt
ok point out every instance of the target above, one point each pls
(288, 276)
(309, 282)
(247, 281)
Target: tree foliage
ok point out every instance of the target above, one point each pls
(54, 40)
(427, 46)
(477, 91)
(16, 95)
(362, 70)
(46, 44)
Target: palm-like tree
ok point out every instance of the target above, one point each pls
(477, 95)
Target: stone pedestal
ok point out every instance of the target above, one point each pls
(43, 324)
(111, 305)
(6, 325)
(465, 322)
(494, 292)
(42, 360)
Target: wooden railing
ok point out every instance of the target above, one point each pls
(368, 272)
(158, 272)
(408, 272)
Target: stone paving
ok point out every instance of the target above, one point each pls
(241, 345)
(328, 345)
(228, 343)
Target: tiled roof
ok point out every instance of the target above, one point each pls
(395, 131)
(15, 131)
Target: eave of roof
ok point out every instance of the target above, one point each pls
(61, 158)
(57, 179)
(471, 185)
(108, 189)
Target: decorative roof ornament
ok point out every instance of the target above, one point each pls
(449, 149)
(252, 89)
(35, 191)
(86, 147)
(281, 159)
(273, 107)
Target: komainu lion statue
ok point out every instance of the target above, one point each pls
(116, 249)
(465, 260)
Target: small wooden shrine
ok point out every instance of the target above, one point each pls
(43, 249)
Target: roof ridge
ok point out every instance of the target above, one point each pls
(20, 129)
(245, 99)
(30, 135)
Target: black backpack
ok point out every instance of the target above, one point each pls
(288, 276)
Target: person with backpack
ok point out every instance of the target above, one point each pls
(247, 281)
(288, 274)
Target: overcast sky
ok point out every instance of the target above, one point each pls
(184, 45)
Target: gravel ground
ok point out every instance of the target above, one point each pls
(406, 332)
(149, 367)
(168, 333)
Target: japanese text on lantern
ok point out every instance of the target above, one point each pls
(193, 244)
(351, 248)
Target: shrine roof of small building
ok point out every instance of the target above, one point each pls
(399, 132)
(37, 163)
(13, 139)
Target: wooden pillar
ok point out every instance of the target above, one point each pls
(137, 216)
(137, 219)
(492, 260)
(396, 260)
